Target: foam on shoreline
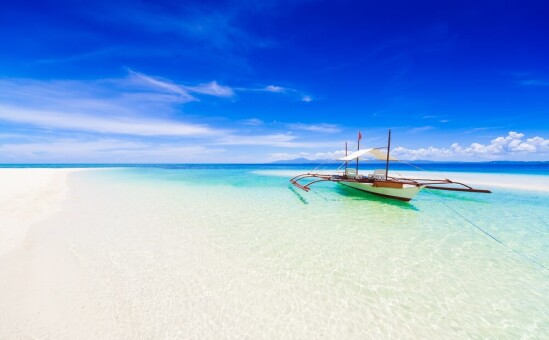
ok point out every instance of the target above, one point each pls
(28, 196)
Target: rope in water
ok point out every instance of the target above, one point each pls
(487, 233)
(476, 226)
(470, 222)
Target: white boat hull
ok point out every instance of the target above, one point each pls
(406, 193)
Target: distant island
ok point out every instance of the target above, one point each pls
(324, 161)
(302, 160)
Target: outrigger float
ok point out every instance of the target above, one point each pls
(379, 182)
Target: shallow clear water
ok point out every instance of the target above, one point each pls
(241, 253)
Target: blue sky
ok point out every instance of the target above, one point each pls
(247, 81)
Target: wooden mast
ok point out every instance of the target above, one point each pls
(358, 148)
(346, 162)
(388, 150)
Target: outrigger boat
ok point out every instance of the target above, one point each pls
(379, 182)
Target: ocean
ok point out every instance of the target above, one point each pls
(210, 251)
(534, 168)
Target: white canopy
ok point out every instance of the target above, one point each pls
(371, 152)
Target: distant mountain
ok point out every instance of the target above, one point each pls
(300, 161)
(324, 161)
(518, 162)
(416, 161)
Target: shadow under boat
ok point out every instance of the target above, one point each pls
(360, 195)
(299, 196)
(455, 195)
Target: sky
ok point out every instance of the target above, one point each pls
(259, 81)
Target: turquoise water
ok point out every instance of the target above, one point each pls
(518, 217)
(533, 168)
(239, 252)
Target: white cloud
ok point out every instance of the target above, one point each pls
(136, 94)
(439, 118)
(273, 140)
(509, 147)
(421, 129)
(84, 117)
(276, 89)
(279, 89)
(100, 150)
(313, 156)
(324, 128)
(253, 122)
(104, 106)
(212, 88)
(120, 125)
(13, 136)
(140, 78)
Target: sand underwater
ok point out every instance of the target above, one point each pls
(238, 253)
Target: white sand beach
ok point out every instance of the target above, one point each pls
(37, 280)
(28, 196)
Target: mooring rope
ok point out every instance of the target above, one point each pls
(321, 167)
(437, 173)
(487, 233)
(457, 213)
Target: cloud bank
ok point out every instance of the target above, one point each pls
(509, 147)
(101, 150)
(322, 128)
(136, 118)
(137, 126)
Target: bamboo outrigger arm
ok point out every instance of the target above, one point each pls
(432, 184)
(323, 178)
(467, 188)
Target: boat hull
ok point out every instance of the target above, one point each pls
(403, 193)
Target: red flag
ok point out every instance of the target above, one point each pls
(359, 135)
